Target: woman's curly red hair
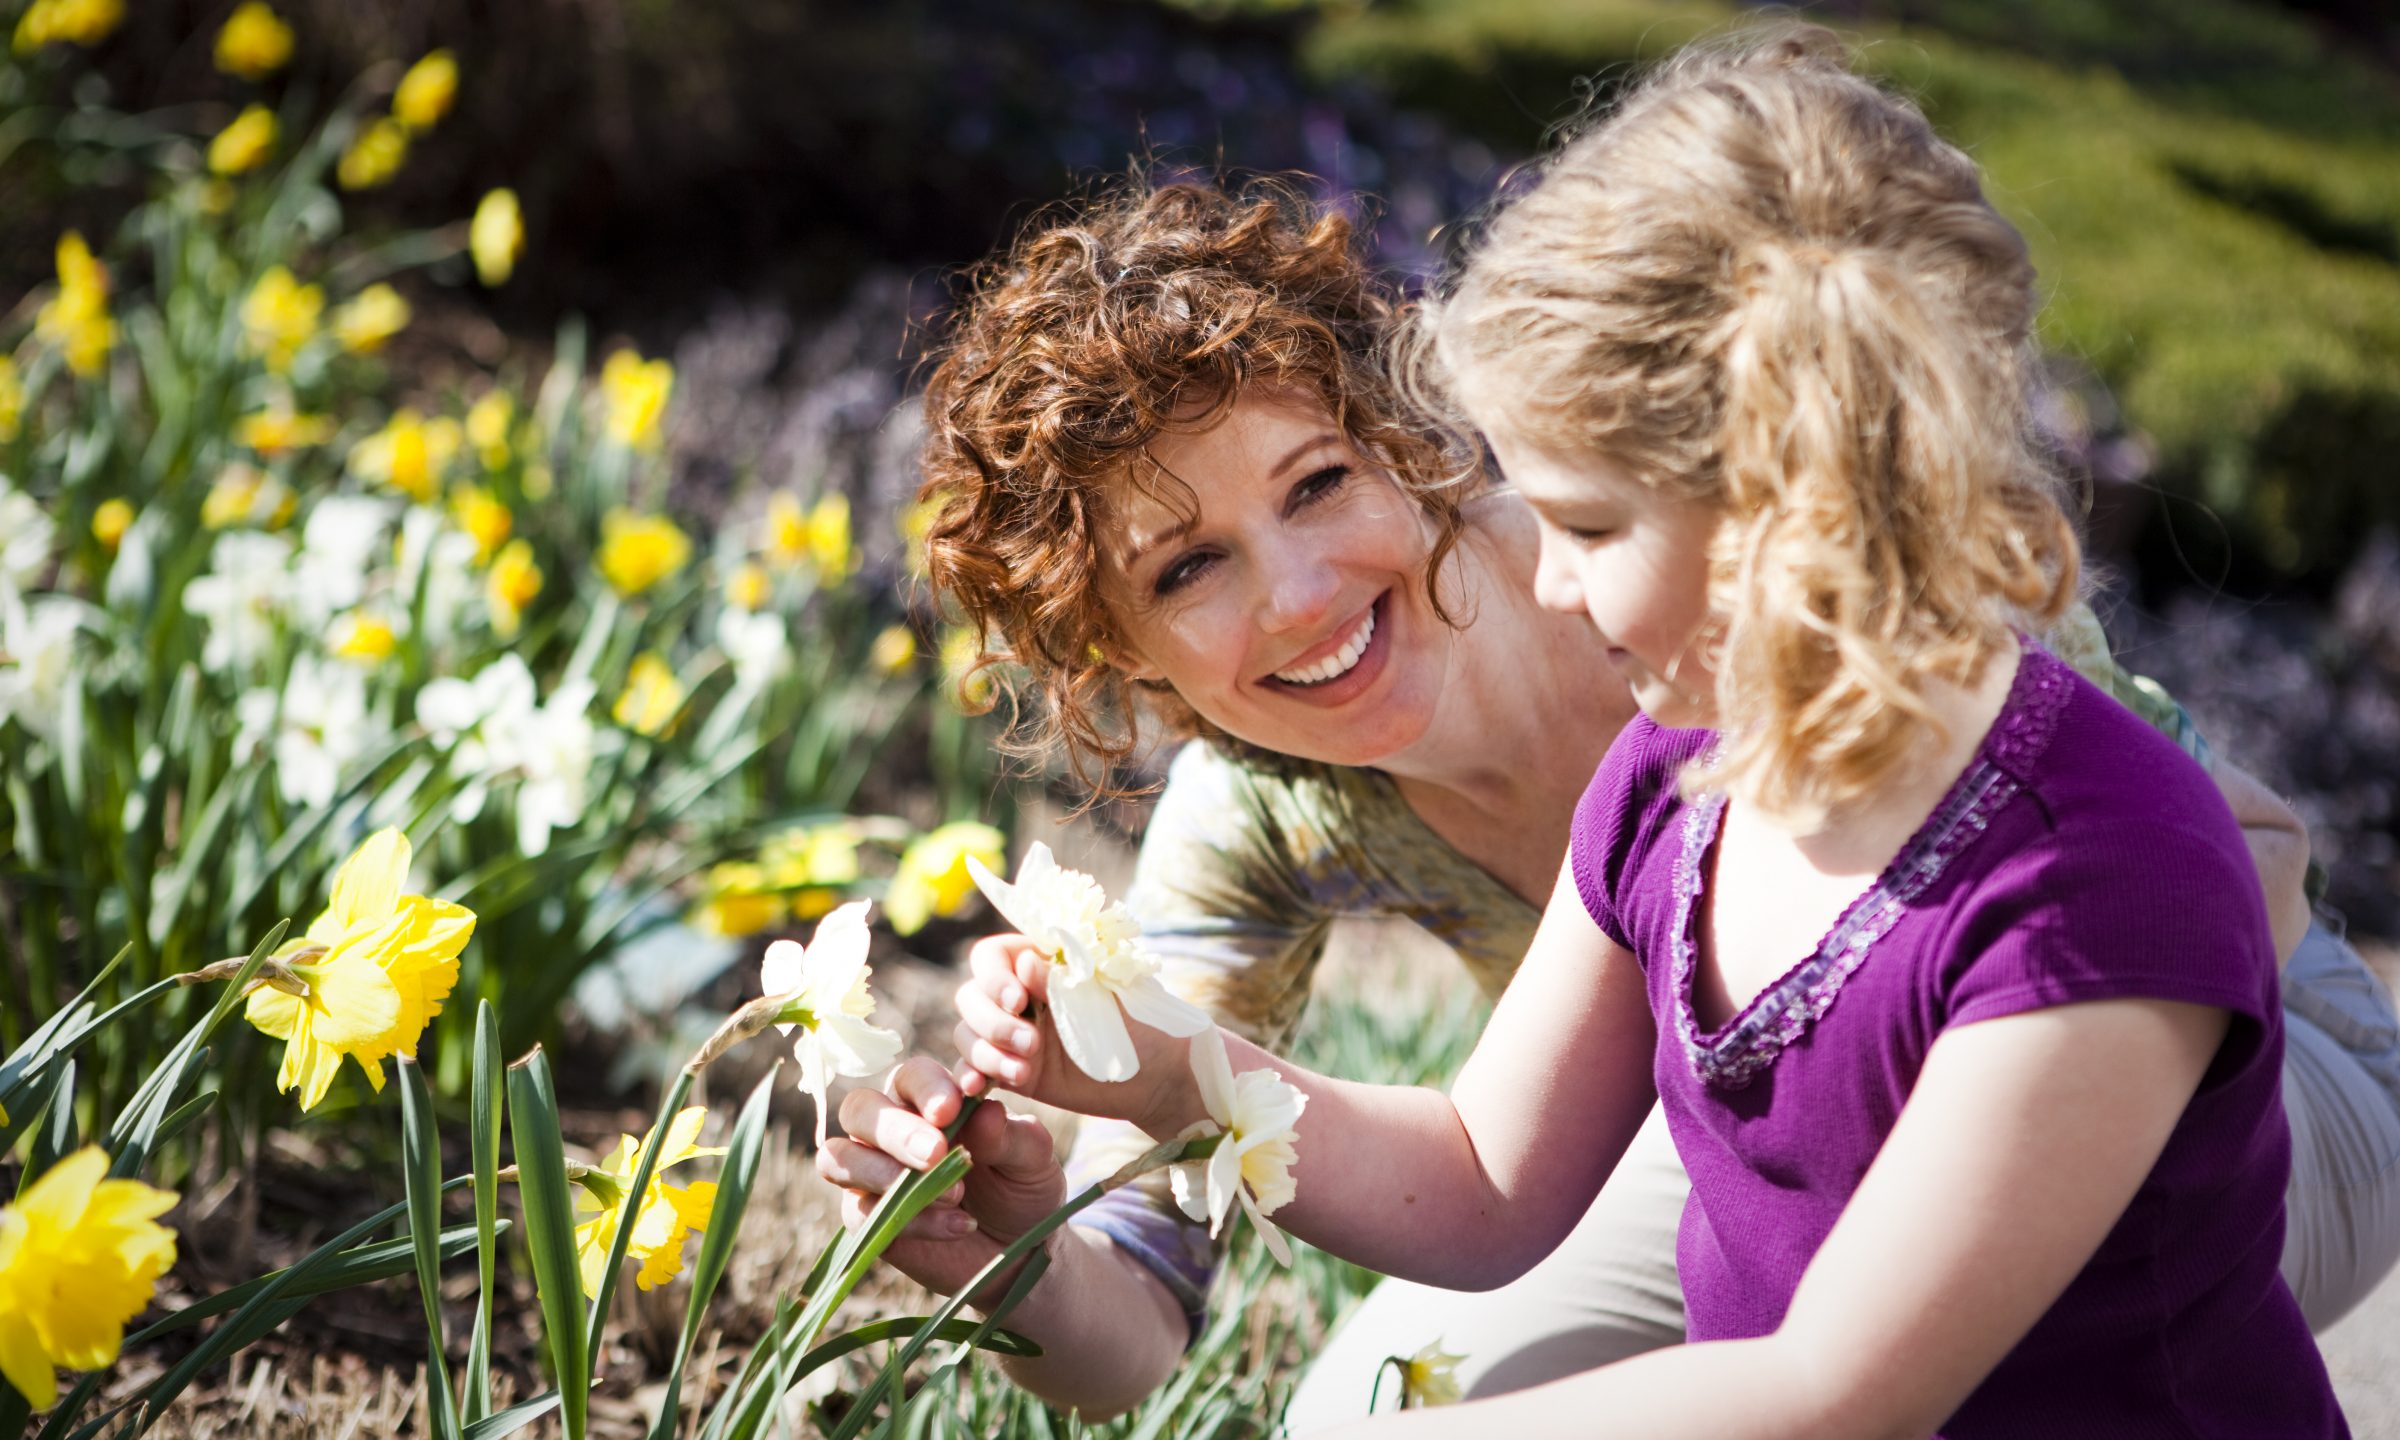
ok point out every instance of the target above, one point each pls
(1142, 311)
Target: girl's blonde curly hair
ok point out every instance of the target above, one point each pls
(1765, 283)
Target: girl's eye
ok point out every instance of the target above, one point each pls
(1182, 571)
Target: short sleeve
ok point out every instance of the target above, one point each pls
(2164, 909)
(1619, 812)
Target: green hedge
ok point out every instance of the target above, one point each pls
(2211, 192)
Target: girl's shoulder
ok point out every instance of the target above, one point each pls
(1625, 812)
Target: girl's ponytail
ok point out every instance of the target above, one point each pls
(1764, 283)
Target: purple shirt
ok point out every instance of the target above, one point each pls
(2080, 856)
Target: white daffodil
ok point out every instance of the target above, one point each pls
(26, 536)
(756, 644)
(338, 549)
(1255, 1112)
(1098, 963)
(247, 588)
(552, 749)
(37, 657)
(1429, 1377)
(440, 558)
(826, 986)
(468, 718)
(313, 727)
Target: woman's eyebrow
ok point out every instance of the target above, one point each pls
(1143, 544)
(1311, 443)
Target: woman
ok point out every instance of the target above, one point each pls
(1178, 485)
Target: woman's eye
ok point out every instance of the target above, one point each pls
(1320, 484)
(1583, 536)
(1182, 571)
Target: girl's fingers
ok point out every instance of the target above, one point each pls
(1001, 1026)
(935, 1222)
(893, 1128)
(1009, 969)
(857, 1168)
(994, 1062)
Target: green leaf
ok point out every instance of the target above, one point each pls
(367, 1263)
(734, 1183)
(550, 1230)
(516, 1417)
(629, 1206)
(485, 1097)
(421, 1172)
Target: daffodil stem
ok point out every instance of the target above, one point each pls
(1156, 1157)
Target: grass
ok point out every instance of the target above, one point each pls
(2211, 191)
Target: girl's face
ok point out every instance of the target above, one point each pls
(1285, 599)
(1634, 562)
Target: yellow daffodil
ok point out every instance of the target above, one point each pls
(73, 22)
(369, 318)
(816, 864)
(933, 878)
(916, 524)
(426, 91)
(279, 316)
(666, 1216)
(110, 521)
(1097, 963)
(496, 236)
(255, 42)
(787, 530)
(653, 696)
(970, 685)
(738, 901)
(374, 157)
(894, 650)
(487, 427)
(510, 585)
(638, 551)
(377, 964)
(827, 1005)
(12, 399)
(747, 588)
(80, 1254)
(829, 546)
(1429, 1377)
(1256, 1112)
(76, 319)
(481, 515)
(362, 638)
(276, 430)
(409, 453)
(634, 392)
(246, 495)
(242, 145)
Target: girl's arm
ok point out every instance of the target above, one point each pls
(2020, 1147)
(1465, 1190)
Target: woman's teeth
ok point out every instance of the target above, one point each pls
(1338, 664)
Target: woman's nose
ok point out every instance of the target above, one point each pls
(1300, 591)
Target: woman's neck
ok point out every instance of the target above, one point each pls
(1528, 708)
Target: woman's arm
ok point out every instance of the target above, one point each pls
(2018, 1150)
(2278, 847)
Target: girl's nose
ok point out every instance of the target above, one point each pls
(1554, 584)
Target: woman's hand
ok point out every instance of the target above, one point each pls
(1007, 1037)
(1015, 1183)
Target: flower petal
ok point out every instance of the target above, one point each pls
(1224, 1183)
(1212, 1075)
(855, 1049)
(1092, 1029)
(1277, 1246)
(367, 887)
(1162, 1009)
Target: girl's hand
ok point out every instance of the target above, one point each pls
(1015, 1183)
(1007, 1037)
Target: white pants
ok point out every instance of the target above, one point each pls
(1609, 1291)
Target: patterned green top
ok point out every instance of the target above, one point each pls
(1245, 867)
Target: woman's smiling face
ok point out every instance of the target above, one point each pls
(1280, 587)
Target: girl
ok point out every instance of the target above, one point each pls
(1459, 706)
